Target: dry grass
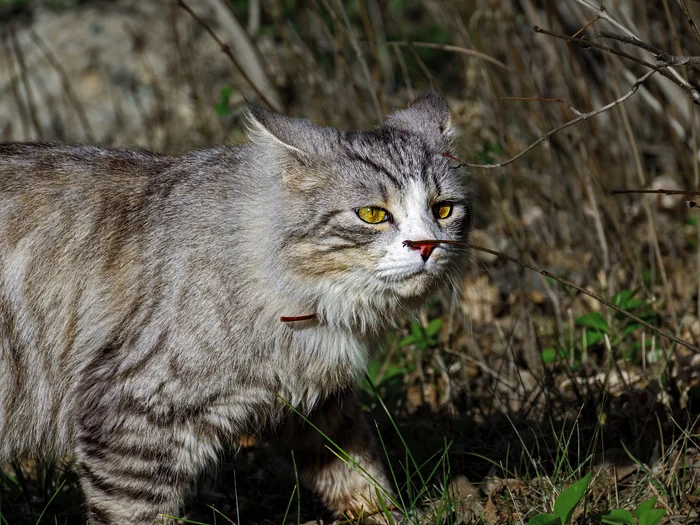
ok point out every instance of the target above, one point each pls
(508, 402)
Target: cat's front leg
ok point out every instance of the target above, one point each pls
(344, 486)
(134, 468)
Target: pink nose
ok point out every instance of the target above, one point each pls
(425, 250)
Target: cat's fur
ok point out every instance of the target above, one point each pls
(141, 295)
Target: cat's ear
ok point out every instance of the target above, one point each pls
(429, 114)
(298, 136)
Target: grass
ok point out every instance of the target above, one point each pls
(494, 400)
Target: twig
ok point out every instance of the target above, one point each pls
(544, 137)
(66, 83)
(664, 192)
(594, 295)
(692, 23)
(672, 73)
(14, 81)
(603, 13)
(589, 23)
(664, 59)
(452, 49)
(226, 49)
(600, 299)
(538, 99)
(14, 41)
(361, 59)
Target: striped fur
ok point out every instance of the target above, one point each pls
(140, 297)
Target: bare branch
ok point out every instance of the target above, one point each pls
(668, 73)
(546, 136)
(594, 295)
(589, 23)
(537, 99)
(672, 73)
(663, 192)
(600, 299)
(663, 58)
(453, 49)
(226, 49)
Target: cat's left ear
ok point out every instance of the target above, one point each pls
(429, 114)
(297, 136)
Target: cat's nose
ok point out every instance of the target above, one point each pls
(425, 250)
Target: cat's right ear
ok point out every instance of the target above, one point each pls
(297, 136)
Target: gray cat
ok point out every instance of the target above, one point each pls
(141, 298)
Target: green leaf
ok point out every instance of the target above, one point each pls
(644, 507)
(433, 326)
(592, 337)
(417, 331)
(569, 498)
(616, 516)
(629, 329)
(544, 519)
(593, 320)
(621, 298)
(647, 514)
(634, 303)
(548, 355)
(408, 340)
(652, 517)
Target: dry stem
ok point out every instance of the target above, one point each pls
(544, 137)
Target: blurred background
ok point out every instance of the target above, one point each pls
(496, 396)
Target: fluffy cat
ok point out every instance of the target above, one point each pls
(141, 296)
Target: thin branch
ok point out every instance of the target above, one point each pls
(689, 16)
(33, 113)
(538, 99)
(226, 49)
(630, 40)
(600, 299)
(663, 192)
(594, 295)
(66, 83)
(361, 59)
(671, 74)
(664, 59)
(452, 49)
(603, 13)
(588, 24)
(546, 136)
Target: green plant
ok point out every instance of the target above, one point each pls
(422, 338)
(645, 512)
(594, 327)
(571, 497)
(564, 505)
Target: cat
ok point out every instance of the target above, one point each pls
(141, 298)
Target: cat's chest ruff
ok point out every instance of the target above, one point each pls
(318, 361)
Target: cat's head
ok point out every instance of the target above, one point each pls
(351, 199)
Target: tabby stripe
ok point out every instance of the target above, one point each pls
(99, 516)
(376, 167)
(155, 350)
(104, 450)
(113, 488)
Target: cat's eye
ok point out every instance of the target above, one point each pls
(372, 214)
(442, 210)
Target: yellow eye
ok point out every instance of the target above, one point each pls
(442, 210)
(372, 214)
